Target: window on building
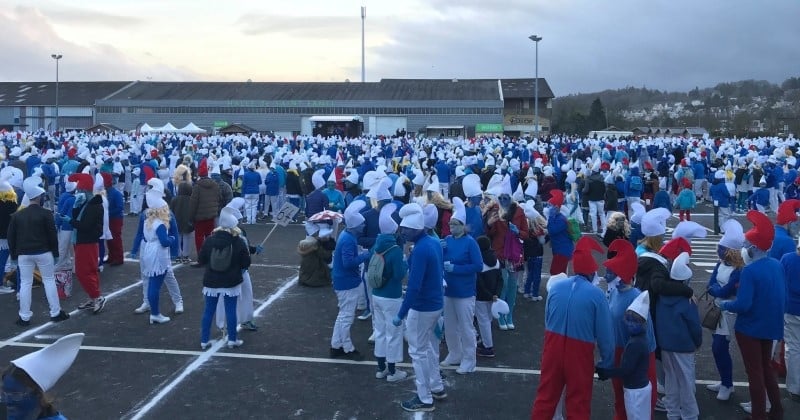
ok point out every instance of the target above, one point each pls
(526, 104)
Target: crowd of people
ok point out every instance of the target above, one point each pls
(433, 238)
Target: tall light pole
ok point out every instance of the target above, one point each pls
(363, 49)
(536, 39)
(56, 57)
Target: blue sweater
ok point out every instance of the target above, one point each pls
(760, 197)
(618, 304)
(760, 300)
(678, 324)
(474, 222)
(661, 200)
(791, 264)
(782, 244)
(394, 268)
(251, 180)
(346, 260)
(65, 203)
(271, 181)
(719, 193)
(465, 255)
(116, 205)
(173, 231)
(559, 235)
(635, 363)
(686, 200)
(727, 291)
(424, 292)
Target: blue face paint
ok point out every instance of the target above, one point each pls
(633, 324)
(410, 234)
(21, 402)
(721, 251)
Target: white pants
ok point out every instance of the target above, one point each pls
(388, 338)
(780, 191)
(444, 188)
(632, 200)
(724, 215)
(679, 379)
(483, 313)
(274, 202)
(637, 402)
(136, 199)
(244, 303)
(791, 337)
(250, 207)
(172, 287)
(26, 264)
(773, 199)
(459, 332)
(66, 252)
(698, 189)
(421, 339)
(187, 242)
(595, 210)
(344, 319)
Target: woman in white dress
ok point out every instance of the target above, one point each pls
(154, 254)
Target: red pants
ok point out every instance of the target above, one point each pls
(756, 355)
(688, 214)
(115, 243)
(202, 230)
(559, 264)
(566, 363)
(619, 396)
(86, 256)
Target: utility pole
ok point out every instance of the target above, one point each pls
(56, 57)
(536, 39)
(363, 47)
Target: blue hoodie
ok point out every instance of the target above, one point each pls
(346, 260)
(465, 255)
(251, 180)
(474, 222)
(720, 194)
(424, 292)
(782, 244)
(760, 300)
(618, 304)
(791, 264)
(630, 190)
(557, 227)
(394, 268)
(65, 203)
(678, 324)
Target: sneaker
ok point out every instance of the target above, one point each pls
(22, 323)
(503, 326)
(179, 308)
(660, 406)
(724, 393)
(381, 374)
(536, 298)
(249, 326)
(415, 405)
(365, 315)
(527, 296)
(205, 346)
(714, 387)
(462, 371)
(62, 316)
(446, 363)
(511, 326)
(439, 395)
(140, 310)
(86, 305)
(5, 290)
(748, 406)
(98, 305)
(398, 376)
(159, 319)
(371, 338)
(484, 352)
(660, 388)
(336, 352)
(354, 355)
(235, 344)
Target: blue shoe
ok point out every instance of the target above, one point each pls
(415, 405)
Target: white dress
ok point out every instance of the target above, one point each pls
(727, 319)
(106, 229)
(154, 258)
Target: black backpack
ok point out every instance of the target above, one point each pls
(221, 258)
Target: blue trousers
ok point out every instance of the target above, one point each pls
(4, 254)
(509, 295)
(154, 292)
(720, 347)
(101, 245)
(211, 309)
(534, 279)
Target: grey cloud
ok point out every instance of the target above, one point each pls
(301, 26)
(79, 16)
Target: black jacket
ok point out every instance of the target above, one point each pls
(595, 188)
(7, 208)
(32, 231)
(90, 226)
(240, 260)
(490, 282)
(653, 276)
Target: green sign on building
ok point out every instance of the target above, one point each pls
(220, 124)
(488, 128)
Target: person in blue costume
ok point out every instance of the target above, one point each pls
(335, 197)
(28, 378)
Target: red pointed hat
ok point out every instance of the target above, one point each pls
(675, 247)
(762, 233)
(623, 263)
(85, 181)
(787, 211)
(582, 260)
(556, 197)
(605, 166)
(202, 168)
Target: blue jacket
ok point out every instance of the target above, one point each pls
(618, 304)
(678, 324)
(465, 255)
(173, 231)
(760, 196)
(424, 292)
(630, 191)
(686, 200)
(281, 176)
(443, 171)
(760, 300)
(346, 259)
(791, 264)
(65, 203)
(116, 205)
(474, 222)
(782, 244)
(394, 268)
(699, 170)
(720, 194)
(560, 241)
(371, 227)
(272, 183)
(661, 200)
(251, 180)
(636, 234)
(335, 199)
(315, 203)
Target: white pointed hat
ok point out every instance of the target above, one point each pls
(471, 185)
(733, 237)
(229, 217)
(459, 210)
(680, 268)
(412, 216)
(641, 305)
(500, 307)
(433, 186)
(236, 203)
(495, 185)
(530, 210)
(518, 196)
(638, 212)
(156, 185)
(47, 365)
(654, 222)
(352, 214)
(688, 230)
(400, 187)
(386, 223)
(318, 178)
(32, 188)
(154, 199)
(332, 177)
(553, 280)
(430, 215)
(532, 189)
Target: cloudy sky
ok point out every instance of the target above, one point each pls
(588, 45)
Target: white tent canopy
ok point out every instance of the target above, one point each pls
(167, 128)
(145, 128)
(191, 128)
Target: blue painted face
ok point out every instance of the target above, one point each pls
(21, 402)
(634, 324)
(410, 234)
(504, 200)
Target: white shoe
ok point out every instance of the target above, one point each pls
(5, 290)
(179, 308)
(234, 344)
(714, 387)
(724, 393)
(371, 338)
(205, 346)
(511, 326)
(398, 376)
(462, 371)
(748, 406)
(382, 374)
(660, 388)
(447, 363)
(159, 319)
(142, 309)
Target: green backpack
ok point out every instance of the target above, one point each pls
(375, 268)
(573, 229)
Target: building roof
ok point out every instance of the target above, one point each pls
(237, 128)
(525, 88)
(44, 93)
(386, 89)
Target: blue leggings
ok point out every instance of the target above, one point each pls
(101, 249)
(154, 292)
(211, 309)
(509, 295)
(534, 279)
(720, 347)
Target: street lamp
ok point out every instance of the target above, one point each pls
(56, 57)
(536, 39)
